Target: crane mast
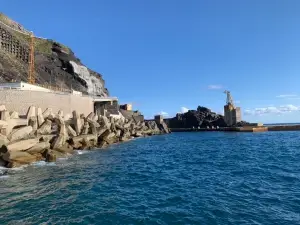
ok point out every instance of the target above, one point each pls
(31, 76)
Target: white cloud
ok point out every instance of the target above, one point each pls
(184, 109)
(215, 87)
(272, 110)
(286, 96)
(162, 113)
(237, 101)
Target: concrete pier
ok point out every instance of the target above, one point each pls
(241, 129)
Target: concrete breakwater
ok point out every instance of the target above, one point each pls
(46, 136)
(241, 129)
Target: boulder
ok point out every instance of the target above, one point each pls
(3, 163)
(22, 145)
(50, 156)
(38, 148)
(20, 133)
(19, 157)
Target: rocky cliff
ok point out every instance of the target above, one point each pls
(55, 64)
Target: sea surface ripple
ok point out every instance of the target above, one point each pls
(181, 178)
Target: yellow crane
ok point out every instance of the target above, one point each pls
(31, 76)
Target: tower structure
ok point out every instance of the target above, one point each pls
(232, 114)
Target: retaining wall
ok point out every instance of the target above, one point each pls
(20, 100)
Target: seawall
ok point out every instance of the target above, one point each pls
(21, 100)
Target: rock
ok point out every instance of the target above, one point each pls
(30, 112)
(71, 131)
(14, 115)
(47, 113)
(20, 133)
(77, 122)
(40, 117)
(38, 148)
(22, 145)
(19, 157)
(102, 144)
(3, 163)
(45, 128)
(51, 156)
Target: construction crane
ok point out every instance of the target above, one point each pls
(229, 100)
(31, 76)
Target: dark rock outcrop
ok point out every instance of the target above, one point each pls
(202, 117)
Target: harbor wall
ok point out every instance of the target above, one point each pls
(21, 100)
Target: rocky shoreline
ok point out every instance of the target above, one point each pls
(44, 136)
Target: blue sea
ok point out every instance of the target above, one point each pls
(181, 178)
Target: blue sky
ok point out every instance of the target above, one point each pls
(165, 55)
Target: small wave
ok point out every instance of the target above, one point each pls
(21, 168)
(43, 163)
(80, 152)
(4, 176)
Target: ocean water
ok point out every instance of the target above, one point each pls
(181, 178)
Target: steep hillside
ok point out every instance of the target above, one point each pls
(55, 64)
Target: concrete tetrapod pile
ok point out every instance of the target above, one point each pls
(44, 136)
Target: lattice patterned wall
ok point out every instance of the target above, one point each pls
(12, 45)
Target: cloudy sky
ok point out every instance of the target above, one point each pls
(169, 56)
